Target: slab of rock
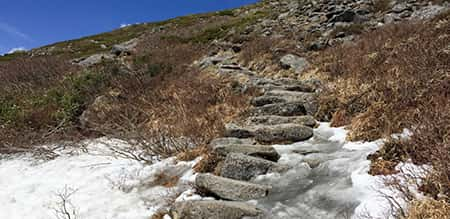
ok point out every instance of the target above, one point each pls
(215, 210)
(235, 131)
(278, 120)
(230, 189)
(284, 133)
(309, 100)
(299, 64)
(266, 100)
(94, 59)
(232, 141)
(281, 109)
(262, 151)
(243, 167)
(302, 88)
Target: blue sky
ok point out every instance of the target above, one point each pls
(33, 23)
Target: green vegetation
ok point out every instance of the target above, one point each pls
(72, 96)
(9, 111)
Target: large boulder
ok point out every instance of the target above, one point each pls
(243, 167)
(215, 210)
(262, 151)
(230, 189)
(298, 64)
(284, 133)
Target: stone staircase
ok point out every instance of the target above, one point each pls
(281, 115)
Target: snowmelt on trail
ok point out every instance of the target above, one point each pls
(329, 180)
(98, 185)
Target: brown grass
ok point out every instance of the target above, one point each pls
(428, 209)
(393, 78)
(167, 181)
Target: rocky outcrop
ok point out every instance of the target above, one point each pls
(229, 189)
(124, 49)
(215, 210)
(93, 59)
(243, 167)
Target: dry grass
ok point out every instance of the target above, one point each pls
(393, 78)
(167, 181)
(388, 78)
(428, 209)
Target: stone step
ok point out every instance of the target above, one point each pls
(280, 109)
(262, 151)
(278, 120)
(233, 141)
(242, 167)
(235, 131)
(266, 100)
(284, 133)
(215, 210)
(230, 189)
(300, 88)
(308, 100)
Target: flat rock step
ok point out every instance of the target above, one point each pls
(242, 167)
(309, 101)
(215, 210)
(278, 120)
(262, 151)
(230, 189)
(301, 87)
(283, 133)
(280, 109)
(287, 82)
(232, 141)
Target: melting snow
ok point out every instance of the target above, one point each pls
(98, 184)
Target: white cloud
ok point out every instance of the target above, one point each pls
(18, 49)
(124, 25)
(4, 27)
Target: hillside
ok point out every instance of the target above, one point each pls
(282, 103)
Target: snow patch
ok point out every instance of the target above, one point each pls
(101, 185)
